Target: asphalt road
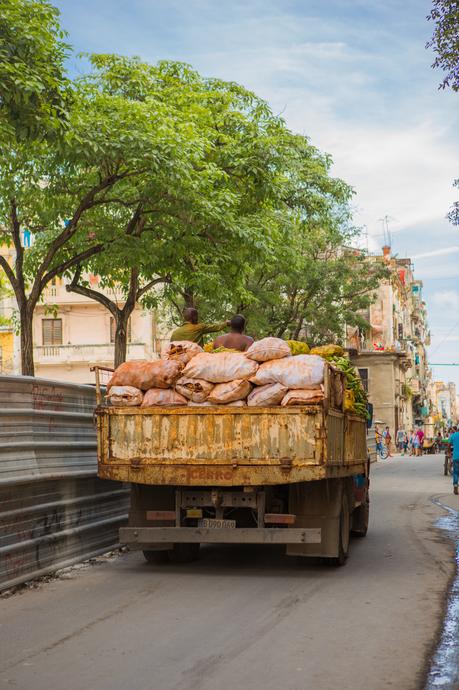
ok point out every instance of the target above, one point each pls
(249, 617)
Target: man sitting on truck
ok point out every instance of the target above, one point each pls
(236, 340)
(194, 331)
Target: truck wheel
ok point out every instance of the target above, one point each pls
(155, 556)
(184, 553)
(360, 519)
(344, 532)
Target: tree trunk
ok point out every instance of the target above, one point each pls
(298, 328)
(189, 298)
(121, 336)
(27, 363)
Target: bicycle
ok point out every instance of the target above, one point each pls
(382, 450)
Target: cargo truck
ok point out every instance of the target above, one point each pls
(297, 476)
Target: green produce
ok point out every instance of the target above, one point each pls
(330, 350)
(355, 395)
(297, 347)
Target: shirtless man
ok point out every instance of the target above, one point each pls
(236, 340)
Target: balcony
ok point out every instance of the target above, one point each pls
(91, 354)
(57, 294)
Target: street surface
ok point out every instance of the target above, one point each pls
(249, 617)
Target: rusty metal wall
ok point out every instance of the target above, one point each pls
(54, 511)
(186, 435)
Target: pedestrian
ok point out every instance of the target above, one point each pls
(378, 438)
(387, 438)
(236, 340)
(192, 330)
(400, 436)
(405, 443)
(420, 435)
(454, 441)
(414, 443)
(438, 442)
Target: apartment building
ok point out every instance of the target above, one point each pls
(391, 353)
(444, 403)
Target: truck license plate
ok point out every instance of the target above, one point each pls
(212, 523)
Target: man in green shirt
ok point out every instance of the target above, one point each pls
(194, 331)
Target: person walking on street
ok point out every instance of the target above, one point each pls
(405, 443)
(420, 435)
(454, 441)
(387, 439)
(414, 443)
(192, 330)
(378, 438)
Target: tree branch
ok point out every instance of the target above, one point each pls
(152, 283)
(74, 261)
(69, 231)
(9, 272)
(92, 294)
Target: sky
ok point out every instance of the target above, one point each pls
(352, 75)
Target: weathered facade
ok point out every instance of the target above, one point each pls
(391, 353)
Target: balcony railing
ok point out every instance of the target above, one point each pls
(62, 354)
(59, 295)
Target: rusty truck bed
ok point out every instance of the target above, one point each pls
(230, 446)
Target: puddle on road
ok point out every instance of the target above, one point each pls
(444, 668)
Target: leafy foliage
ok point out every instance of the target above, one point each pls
(33, 86)
(176, 188)
(445, 40)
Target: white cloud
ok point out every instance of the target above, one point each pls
(437, 252)
(446, 299)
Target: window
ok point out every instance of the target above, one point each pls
(51, 331)
(113, 330)
(364, 378)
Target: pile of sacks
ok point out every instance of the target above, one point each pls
(264, 376)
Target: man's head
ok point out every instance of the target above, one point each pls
(190, 314)
(387, 428)
(237, 323)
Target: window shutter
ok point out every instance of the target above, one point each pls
(57, 331)
(47, 331)
(51, 331)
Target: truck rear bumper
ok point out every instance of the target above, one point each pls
(150, 536)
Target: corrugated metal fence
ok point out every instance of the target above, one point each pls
(54, 511)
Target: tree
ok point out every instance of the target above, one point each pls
(33, 87)
(199, 234)
(445, 41)
(85, 190)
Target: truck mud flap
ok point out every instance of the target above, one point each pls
(182, 535)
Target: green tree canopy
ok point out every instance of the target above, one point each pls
(34, 90)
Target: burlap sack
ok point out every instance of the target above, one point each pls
(267, 349)
(181, 351)
(307, 396)
(159, 397)
(196, 390)
(160, 373)
(124, 396)
(267, 396)
(220, 367)
(229, 392)
(302, 371)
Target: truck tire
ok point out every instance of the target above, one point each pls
(360, 519)
(155, 556)
(184, 553)
(344, 532)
